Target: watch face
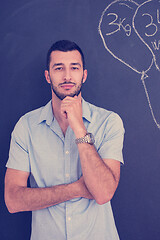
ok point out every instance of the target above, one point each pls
(90, 138)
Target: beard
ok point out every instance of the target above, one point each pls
(61, 96)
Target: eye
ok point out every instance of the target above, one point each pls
(58, 68)
(75, 68)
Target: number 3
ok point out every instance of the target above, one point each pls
(150, 24)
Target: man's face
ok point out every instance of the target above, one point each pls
(66, 74)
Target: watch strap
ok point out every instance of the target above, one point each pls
(88, 138)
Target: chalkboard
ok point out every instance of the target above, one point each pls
(121, 43)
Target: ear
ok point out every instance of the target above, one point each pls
(47, 76)
(84, 75)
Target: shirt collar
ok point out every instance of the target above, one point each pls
(86, 110)
(47, 113)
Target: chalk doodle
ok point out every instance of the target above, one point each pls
(127, 26)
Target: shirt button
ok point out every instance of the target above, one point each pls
(69, 218)
(67, 174)
(67, 152)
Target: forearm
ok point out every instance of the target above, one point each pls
(28, 199)
(98, 177)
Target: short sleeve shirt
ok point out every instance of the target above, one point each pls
(39, 147)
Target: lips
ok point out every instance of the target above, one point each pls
(67, 85)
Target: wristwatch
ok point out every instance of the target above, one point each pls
(88, 138)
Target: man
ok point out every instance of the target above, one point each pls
(71, 150)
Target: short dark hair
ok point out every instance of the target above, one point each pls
(64, 46)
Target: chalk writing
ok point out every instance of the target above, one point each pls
(158, 16)
(156, 44)
(135, 20)
(126, 28)
(111, 29)
(151, 29)
(150, 25)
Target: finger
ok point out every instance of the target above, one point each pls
(68, 100)
(71, 99)
(64, 112)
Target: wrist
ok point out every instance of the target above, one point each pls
(80, 132)
(76, 189)
(88, 138)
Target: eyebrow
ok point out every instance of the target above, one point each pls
(61, 64)
(57, 64)
(76, 64)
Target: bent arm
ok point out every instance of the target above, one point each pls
(18, 197)
(101, 176)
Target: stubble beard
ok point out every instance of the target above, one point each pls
(61, 96)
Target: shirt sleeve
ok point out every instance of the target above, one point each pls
(112, 143)
(18, 153)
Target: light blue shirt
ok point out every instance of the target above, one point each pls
(38, 146)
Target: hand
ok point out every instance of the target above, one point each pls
(71, 108)
(83, 189)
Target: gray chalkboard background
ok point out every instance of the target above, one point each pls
(121, 41)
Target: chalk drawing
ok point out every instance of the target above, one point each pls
(149, 33)
(132, 24)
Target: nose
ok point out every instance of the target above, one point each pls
(67, 75)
